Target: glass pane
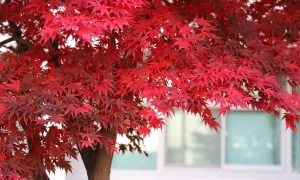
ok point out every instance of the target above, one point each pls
(296, 150)
(135, 160)
(190, 142)
(252, 138)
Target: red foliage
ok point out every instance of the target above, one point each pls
(106, 58)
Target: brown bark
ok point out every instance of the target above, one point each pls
(98, 161)
(41, 177)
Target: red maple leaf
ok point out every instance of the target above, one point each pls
(14, 85)
(2, 157)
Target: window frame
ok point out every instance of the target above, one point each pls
(284, 169)
(165, 145)
(229, 167)
(260, 168)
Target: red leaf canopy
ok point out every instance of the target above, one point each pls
(81, 66)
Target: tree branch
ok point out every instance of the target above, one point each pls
(20, 41)
(9, 48)
(2, 43)
(54, 53)
(17, 36)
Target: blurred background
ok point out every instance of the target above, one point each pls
(250, 145)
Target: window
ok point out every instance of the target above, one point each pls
(131, 161)
(248, 140)
(296, 150)
(189, 142)
(252, 138)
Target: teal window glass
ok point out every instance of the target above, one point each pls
(296, 146)
(252, 138)
(296, 150)
(137, 161)
(190, 142)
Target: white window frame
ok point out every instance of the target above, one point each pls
(182, 165)
(258, 168)
(284, 167)
(223, 166)
(224, 171)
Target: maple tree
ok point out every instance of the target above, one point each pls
(81, 72)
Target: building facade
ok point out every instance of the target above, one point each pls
(250, 145)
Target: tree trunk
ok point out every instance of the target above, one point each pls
(98, 161)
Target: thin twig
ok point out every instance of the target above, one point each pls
(2, 43)
(21, 41)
